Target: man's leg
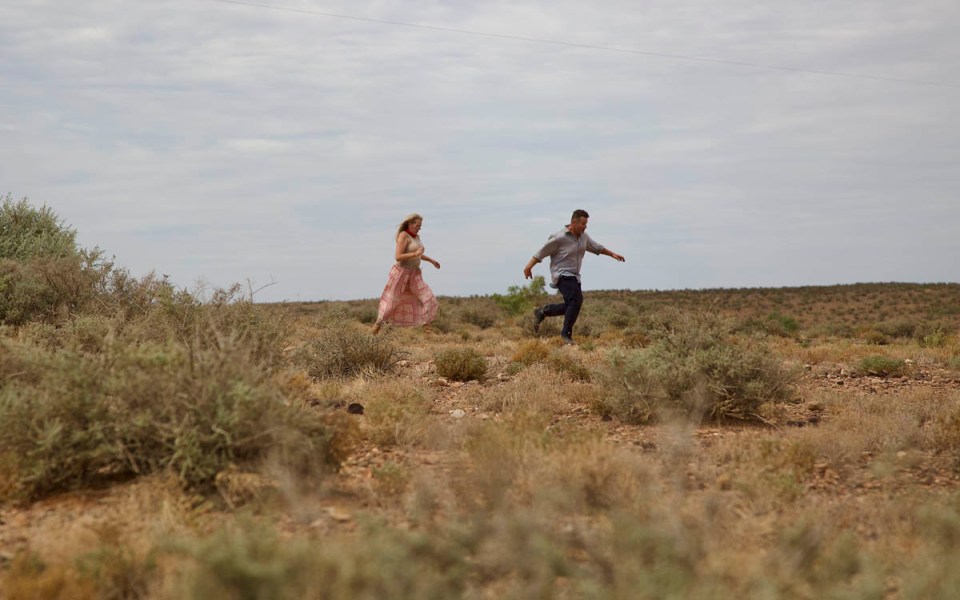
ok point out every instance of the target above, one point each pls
(558, 309)
(572, 301)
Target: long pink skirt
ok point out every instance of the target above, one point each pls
(407, 300)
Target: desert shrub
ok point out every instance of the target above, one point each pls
(29, 576)
(72, 419)
(773, 324)
(521, 299)
(342, 350)
(837, 329)
(563, 362)
(44, 275)
(882, 365)
(115, 568)
(935, 337)
(698, 368)
(484, 319)
(899, 328)
(635, 337)
(249, 560)
(365, 312)
(461, 364)
(46, 288)
(27, 232)
(946, 437)
(535, 351)
(531, 352)
(876, 337)
(396, 413)
(244, 560)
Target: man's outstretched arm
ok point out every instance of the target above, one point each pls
(613, 255)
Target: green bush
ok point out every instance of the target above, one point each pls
(933, 337)
(875, 337)
(696, 367)
(27, 232)
(521, 299)
(461, 364)
(342, 350)
(882, 365)
(773, 324)
(899, 328)
(44, 275)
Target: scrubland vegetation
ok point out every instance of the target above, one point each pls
(158, 442)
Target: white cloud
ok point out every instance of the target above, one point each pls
(225, 142)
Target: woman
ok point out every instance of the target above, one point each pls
(407, 301)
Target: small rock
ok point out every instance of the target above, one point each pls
(457, 413)
(355, 409)
(403, 363)
(338, 514)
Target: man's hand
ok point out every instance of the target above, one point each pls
(528, 270)
(618, 257)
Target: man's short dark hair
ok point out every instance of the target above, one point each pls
(579, 213)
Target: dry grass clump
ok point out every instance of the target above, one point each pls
(396, 412)
(461, 364)
(343, 350)
(531, 352)
(698, 368)
(112, 568)
(535, 351)
(537, 388)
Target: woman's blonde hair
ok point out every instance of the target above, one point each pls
(407, 220)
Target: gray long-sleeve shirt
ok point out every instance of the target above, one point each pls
(566, 253)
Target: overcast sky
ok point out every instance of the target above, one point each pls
(277, 143)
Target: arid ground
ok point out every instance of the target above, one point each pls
(743, 443)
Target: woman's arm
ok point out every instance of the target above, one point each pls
(430, 260)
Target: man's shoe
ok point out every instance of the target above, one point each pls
(538, 318)
(567, 340)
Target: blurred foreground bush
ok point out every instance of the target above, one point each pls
(108, 376)
(74, 419)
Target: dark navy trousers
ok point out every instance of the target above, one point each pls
(572, 301)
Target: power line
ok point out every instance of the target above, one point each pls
(589, 46)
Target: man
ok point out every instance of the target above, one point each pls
(565, 249)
